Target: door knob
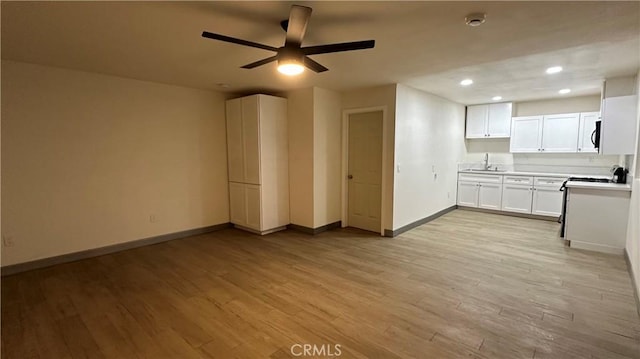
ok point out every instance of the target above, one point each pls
(350, 176)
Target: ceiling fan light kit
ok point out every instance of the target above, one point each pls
(292, 58)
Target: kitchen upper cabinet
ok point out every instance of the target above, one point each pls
(491, 120)
(526, 134)
(619, 116)
(549, 133)
(257, 149)
(586, 132)
(560, 132)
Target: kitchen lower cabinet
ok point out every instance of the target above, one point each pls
(511, 193)
(480, 191)
(489, 196)
(517, 198)
(517, 193)
(468, 194)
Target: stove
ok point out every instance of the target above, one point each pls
(588, 179)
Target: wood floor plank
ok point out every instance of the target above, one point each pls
(467, 284)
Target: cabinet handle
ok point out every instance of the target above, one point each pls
(488, 135)
(579, 149)
(543, 149)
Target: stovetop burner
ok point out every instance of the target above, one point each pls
(589, 179)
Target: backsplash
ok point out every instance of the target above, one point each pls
(575, 163)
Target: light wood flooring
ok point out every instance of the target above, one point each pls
(468, 284)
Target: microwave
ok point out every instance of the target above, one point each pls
(595, 135)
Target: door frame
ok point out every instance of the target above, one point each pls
(345, 163)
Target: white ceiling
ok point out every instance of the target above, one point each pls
(422, 44)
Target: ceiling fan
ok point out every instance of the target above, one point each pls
(292, 58)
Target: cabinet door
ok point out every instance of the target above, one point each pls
(516, 198)
(526, 134)
(586, 129)
(237, 204)
(251, 139)
(560, 133)
(477, 121)
(468, 194)
(499, 120)
(619, 116)
(490, 196)
(252, 200)
(547, 201)
(235, 152)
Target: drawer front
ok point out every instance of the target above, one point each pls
(523, 180)
(470, 177)
(548, 182)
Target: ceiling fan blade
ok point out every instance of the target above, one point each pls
(314, 66)
(233, 40)
(297, 25)
(260, 63)
(344, 46)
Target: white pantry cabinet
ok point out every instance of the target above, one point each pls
(586, 131)
(258, 163)
(481, 191)
(490, 120)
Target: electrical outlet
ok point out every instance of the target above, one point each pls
(153, 218)
(7, 241)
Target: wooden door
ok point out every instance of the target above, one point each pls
(365, 171)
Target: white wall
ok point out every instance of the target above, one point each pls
(429, 145)
(327, 158)
(88, 158)
(380, 96)
(633, 226)
(300, 121)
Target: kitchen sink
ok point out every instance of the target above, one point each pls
(486, 171)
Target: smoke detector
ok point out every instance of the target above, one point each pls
(475, 19)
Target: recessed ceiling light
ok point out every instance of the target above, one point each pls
(554, 69)
(496, 98)
(564, 91)
(466, 82)
(475, 19)
(223, 85)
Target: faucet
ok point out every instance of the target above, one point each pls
(487, 166)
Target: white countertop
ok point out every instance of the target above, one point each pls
(535, 174)
(597, 185)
